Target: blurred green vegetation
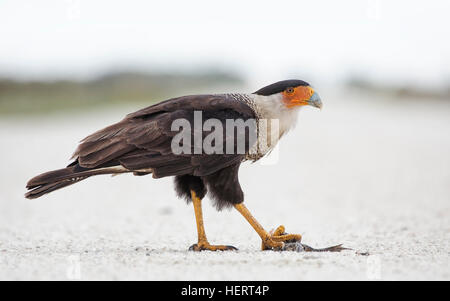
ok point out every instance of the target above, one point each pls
(37, 97)
(400, 92)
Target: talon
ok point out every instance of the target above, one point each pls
(194, 247)
(208, 247)
(278, 231)
(277, 238)
(270, 244)
(288, 238)
(273, 240)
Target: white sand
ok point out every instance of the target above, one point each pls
(374, 175)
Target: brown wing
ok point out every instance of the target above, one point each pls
(143, 139)
(195, 102)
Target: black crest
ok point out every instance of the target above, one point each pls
(280, 86)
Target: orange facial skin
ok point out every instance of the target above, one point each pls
(299, 96)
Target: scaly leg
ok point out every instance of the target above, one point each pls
(274, 240)
(203, 243)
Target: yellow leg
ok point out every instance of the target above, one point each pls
(274, 240)
(203, 243)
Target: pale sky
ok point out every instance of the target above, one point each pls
(265, 40)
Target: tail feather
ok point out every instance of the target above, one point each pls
(51, 177)
(44, 189)
(56, 179)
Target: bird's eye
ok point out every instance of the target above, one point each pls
(290, 90)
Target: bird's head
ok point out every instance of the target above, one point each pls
(293, 93)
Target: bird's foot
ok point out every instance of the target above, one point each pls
(276, 240)
(205, 246)
(279, 240)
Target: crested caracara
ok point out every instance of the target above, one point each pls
(166, 139)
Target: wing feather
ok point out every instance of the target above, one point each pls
(142, 140)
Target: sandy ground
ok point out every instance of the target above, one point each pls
(372, 174)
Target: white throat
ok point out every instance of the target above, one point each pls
(271, 108)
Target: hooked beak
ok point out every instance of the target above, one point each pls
(315, 101)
